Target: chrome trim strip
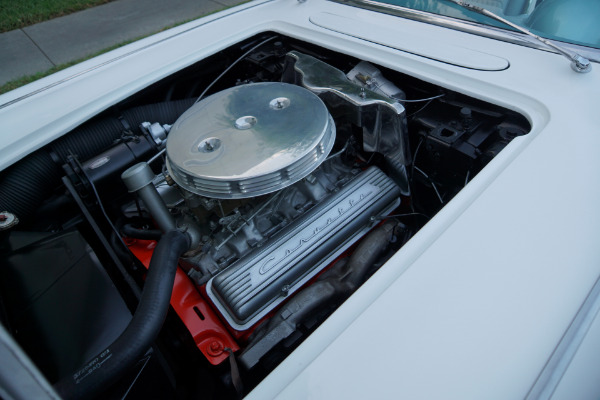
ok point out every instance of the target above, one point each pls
(491, 32)
(579, 63)
(69, 78)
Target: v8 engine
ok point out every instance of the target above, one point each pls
(265, 202)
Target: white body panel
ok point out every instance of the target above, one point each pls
(474, 305)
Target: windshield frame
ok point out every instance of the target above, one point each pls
(472, 27)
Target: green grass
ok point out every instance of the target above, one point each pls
(16, 83)
(16, 14)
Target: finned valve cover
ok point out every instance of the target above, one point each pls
(249, 140)
(254, 285)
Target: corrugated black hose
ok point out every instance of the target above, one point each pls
(25, 185)
(109, 365)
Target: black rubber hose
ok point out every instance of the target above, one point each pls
(132, 232)
(109, 365)
(98, 135)
(25, 185)
(367, 252)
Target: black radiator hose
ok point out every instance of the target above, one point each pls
(136, 233)
(26, 184)
(367, 252)
(109, 365)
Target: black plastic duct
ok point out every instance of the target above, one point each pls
(25, 185)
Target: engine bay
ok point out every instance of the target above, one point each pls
(293, 171)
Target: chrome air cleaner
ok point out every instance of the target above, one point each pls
(249, 140)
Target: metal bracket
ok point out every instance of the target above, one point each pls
(382, 118)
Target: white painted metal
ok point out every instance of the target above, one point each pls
(474, 305)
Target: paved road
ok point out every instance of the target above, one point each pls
(39, 47)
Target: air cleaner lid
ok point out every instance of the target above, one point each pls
(249, 140)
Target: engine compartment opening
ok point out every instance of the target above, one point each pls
(294, 171)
